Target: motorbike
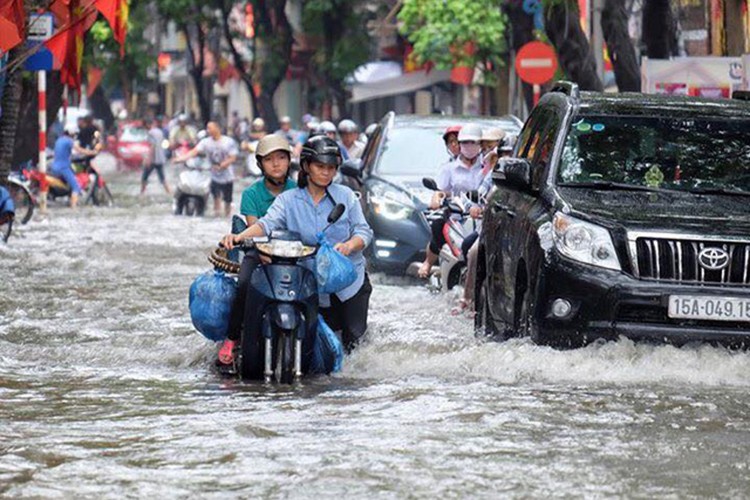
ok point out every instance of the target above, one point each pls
(287, 292)
(193, 188)
(458, 225)
(94, 187)
(251, 164)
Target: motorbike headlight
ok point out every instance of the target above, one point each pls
(584, 242)
(391, 203)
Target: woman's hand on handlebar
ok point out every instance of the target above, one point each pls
(437, 200)
(229, 241)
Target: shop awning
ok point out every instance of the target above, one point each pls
(395, 85)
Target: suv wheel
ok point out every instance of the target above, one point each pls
(484, 327)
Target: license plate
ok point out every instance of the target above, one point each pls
(710, 308)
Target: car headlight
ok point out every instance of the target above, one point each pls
(389, 202)
(584, 242)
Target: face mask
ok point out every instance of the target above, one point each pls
(470, 151)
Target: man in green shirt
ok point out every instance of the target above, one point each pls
(274, 156)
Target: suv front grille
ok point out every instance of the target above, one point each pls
(678, 260)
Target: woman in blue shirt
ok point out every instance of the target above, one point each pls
(305, 211)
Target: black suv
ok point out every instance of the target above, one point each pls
(621, 214)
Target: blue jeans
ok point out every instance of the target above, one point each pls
(66, 174)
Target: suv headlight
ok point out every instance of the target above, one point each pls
(584, 242)
(391, 203)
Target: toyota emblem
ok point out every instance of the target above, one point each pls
(713, 258)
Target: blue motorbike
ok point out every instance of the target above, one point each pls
(281, 315)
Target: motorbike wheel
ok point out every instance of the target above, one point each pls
(23, 201)
(190, 207)
(179, 205)
(284, 369)
(102, 197)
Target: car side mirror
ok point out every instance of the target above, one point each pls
(517, 173)
(352, 168)
(430, 184)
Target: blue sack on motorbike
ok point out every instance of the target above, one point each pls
(328, 355)
(334, 271)
(211, 297)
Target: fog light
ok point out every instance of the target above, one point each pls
(383, 254)
(561, 308)
(385, 243)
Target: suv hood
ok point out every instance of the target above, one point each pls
(662, 210)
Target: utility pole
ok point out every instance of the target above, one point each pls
(597, 36)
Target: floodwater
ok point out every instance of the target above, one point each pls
(107, 391)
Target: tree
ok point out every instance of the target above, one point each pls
(573, 50)
(621, 49)
(271, 53)
(452, 33)
(659, 29)
(345, 45)
(194, 20)
(11, 103)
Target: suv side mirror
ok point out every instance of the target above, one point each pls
(517, 173)
(352, 168)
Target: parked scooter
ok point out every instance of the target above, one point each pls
(193, 188)
(289, 291)
(458, 225)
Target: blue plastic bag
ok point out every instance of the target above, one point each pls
(211, 298)
(6, 202)
(334, 271)
(328, 355)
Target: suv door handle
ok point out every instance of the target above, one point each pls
(499, 207)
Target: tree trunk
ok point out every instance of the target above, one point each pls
(11, 104)
(564, 31)
(237, 61)
(100, 107)
(621, 50)
(522, 32)
(659, 31)
(197, 66)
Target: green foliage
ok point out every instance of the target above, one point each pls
(441, 30)
(346, 44)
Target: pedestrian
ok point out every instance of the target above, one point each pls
(158, 157)
(62, 166)
(222, 153)
(285, 130)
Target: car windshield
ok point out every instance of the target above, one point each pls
(133, 134)
(413, 151)
(658, 152)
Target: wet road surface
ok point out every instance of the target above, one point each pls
(107, 391)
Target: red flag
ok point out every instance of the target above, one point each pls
(116, 12)
(12, 24)
(94, 78)
(67, 44)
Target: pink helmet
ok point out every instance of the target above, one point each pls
(453, 129)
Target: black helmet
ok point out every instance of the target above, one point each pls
(321, 149)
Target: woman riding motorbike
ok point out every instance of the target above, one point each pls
(305, 211)
(273, 156)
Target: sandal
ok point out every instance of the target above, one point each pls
(226, 353)
(463, 306)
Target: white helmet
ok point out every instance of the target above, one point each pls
(258, 124)
(327, 127)
(470, 132)
(348, 126)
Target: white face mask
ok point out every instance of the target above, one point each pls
(470, 151)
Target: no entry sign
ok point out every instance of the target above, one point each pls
(536, 63)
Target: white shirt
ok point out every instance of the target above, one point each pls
(456, 178)
(217, 152)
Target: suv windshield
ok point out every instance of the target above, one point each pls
(412, 151)
(658, 152)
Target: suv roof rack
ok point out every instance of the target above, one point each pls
(741, 95)
(567, 88)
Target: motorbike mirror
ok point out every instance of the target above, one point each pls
(336, 213)
(430, 184)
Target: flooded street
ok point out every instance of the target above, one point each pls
(106, 390)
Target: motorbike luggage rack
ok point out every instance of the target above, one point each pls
(741, 95)
(568, 88)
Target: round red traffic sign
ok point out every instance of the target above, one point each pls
(536, 63)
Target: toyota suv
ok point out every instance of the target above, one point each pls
(621, 215)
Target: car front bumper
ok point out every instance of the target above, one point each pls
(609, 304)
(397, 243)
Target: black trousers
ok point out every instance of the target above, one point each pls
(438, 239)
(350, 317)
(249, 263)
